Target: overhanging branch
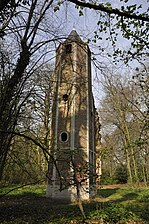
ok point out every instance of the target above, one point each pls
(110, 10)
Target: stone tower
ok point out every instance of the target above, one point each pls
(75, 140)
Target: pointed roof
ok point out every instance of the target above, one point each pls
(73, 37)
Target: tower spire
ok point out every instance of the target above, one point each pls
(74, 37)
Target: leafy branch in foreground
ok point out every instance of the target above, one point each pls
(110, 10)
(129, 22)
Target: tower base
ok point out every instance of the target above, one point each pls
(70, 194)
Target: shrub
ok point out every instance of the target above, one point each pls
(121, 175)
(106, 178)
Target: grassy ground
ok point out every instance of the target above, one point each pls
(114, 205)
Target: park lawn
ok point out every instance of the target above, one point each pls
(116, 205)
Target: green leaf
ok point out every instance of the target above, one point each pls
(108, 4)
(80, 13)
(56, 8)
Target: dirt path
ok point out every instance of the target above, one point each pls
(113, 186)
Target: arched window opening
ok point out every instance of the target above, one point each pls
(65, 97)
(64, 136)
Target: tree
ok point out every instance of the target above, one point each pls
(141, 81)
(27, 159)
(24, 43)
(123, 117)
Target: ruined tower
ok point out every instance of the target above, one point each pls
(75, 139)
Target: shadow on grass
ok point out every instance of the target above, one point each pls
(127, 197)
(106, 192)
(30, 208)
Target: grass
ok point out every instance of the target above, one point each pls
(29, 205)
(39, 190)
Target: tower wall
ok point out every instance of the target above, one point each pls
(73, 129)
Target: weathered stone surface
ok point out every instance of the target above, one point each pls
(75, 126)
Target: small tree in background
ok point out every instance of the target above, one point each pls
(121, 176)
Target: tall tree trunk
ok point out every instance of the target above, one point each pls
(132, 154)
(7, 120)
(130, 179)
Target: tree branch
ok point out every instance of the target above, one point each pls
(110, 10)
